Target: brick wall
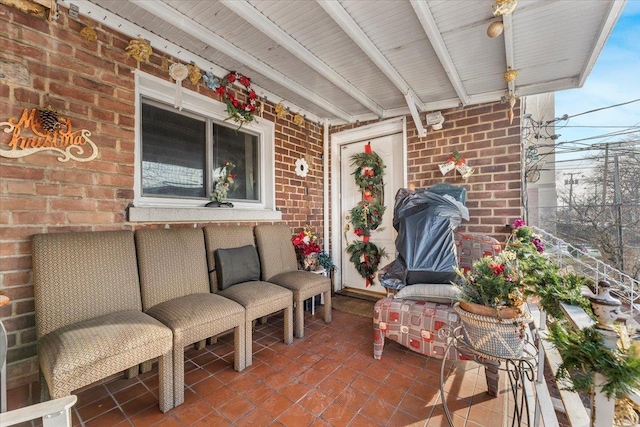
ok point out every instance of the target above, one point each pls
(91, 82)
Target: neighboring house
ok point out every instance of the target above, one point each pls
(118, 102)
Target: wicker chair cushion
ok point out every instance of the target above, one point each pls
(304, 282)
(237, 265)
(196, 316)
(79, 354)
(259, 298)
(277, 254)
(171, 263)
(101, 277)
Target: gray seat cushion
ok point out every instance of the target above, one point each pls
(85, 352)
(237, 265)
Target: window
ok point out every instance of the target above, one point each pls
(177, 150)
(177, 147)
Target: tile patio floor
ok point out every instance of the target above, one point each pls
(327, 378)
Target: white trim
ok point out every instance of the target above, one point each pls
(277, 34)
(189, 26)
(430, 27)
(507, 21)
(375, 130)
(132, 30)
(163, 91)
(200, 214)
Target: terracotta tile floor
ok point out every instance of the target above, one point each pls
(327, 378)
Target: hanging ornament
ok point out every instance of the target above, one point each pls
(178, 72)
(298, 119)
(504, 7)
(510, 75)
(89, 34)
(139, 49)
(495, 29)
(195, 74)
(512, 103)
(211, 81)
(281, 111)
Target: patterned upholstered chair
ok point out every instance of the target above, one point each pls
(279, 265)
(258, 298)
(89, 318)
(175, 290)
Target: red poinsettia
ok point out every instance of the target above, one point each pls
(305, 241)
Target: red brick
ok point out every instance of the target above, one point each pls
(23, 203)
(26, 96)
(71, 92)
(30, 218)
(15, 278)
(21, 172)
(90, 218)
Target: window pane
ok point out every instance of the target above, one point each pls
(241, 149)
(173, 153)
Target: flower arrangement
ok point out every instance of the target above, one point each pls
(223, 179)
(305, 241)
(238, 111)
(366, 217)
(493, 281)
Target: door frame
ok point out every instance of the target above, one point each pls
(375, 130)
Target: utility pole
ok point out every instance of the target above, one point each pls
(570, 182)
(618, 204)
(604, 180)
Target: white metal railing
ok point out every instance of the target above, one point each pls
(625, 287)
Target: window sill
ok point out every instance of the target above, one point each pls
(201, 214)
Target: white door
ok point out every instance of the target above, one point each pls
(390, 150)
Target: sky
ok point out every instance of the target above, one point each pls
(614, 79)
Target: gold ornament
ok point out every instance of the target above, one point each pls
(495, 29)
(504, 7)
(139, 49)
(195, 74)
(281, 111)
(510, 75)
(89, 34)
(298, 119)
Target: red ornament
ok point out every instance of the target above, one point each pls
(367, 148)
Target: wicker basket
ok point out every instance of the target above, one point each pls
(502, 338)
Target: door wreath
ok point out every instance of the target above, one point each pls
(366, 216)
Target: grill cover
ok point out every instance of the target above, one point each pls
(426, 251)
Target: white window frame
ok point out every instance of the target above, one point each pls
(164, 209)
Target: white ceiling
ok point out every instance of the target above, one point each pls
(349, 60)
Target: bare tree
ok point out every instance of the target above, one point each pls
(595, 215)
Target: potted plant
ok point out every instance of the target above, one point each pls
(307, 248)
(491, 306)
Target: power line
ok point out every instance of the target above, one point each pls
(604, 108)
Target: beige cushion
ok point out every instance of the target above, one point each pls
(277, 254)
(438, 293)
(79, 276)
(193, 315)
(79, 354)
(172, 264)
(304, 282)
(259, 298)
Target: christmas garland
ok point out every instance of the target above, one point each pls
(366, 257)
(369, 171)
(238, 111)
(366, 217)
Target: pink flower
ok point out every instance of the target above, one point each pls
(519, 223)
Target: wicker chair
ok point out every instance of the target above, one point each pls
(175, 290)
(89, 319)
(279, 265)
(258, 298)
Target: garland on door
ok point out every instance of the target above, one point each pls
(366, 216)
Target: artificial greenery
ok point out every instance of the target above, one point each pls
(493, 281)
(553, 288)
(369, 172)
(325, 260)
(366, 216)
(366, 257)
(584, 354)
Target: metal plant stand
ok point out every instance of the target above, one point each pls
(518, 371)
